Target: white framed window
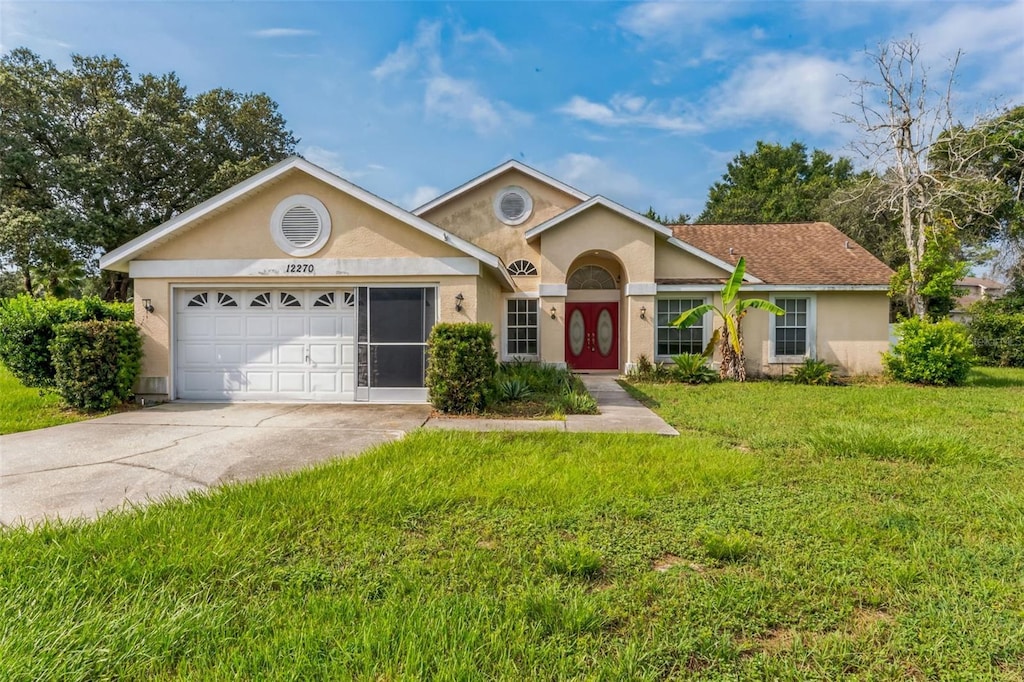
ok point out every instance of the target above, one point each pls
(300, 225)
(792, 334)
(671, 341)
(522, 329)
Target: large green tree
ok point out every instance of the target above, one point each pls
(99, 155)
(775, 184)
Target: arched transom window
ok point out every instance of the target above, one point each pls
(522, 267)
(591, 277)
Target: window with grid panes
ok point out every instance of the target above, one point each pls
(791, 328)
(672, 341)
(521, 327)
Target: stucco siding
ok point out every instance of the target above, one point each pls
(471, 216)
(672, 262)
(598, 230)
(243, 229)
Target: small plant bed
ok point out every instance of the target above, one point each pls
(523, 390)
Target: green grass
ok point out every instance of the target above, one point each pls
(24, 409)
(871, 531)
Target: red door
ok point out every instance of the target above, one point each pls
(592, 335)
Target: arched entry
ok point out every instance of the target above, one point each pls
(592, 316)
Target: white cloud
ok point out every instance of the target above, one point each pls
(594, 175)
(282, 32)
(418, 197)
(331, 160)
(632, 111)
(669, 20)
(991, 39)
(446, 97)
(806, 90)
(423, 50)
(458, 100)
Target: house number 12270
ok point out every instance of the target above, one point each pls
(306, 268)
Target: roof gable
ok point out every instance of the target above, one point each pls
(119, 258)
(512, 164)
(790, 253)
(660, 230)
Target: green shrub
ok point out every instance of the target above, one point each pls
(27, 328)
(812, 372)
(998, 334)
(461, 366)
(938, 353)
(96, 362)
(578, 402)
(692, 368)
(513, 388)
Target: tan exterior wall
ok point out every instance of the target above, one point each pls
(671, 262)
(600, 230)
(853, 330)
(243, 230)
(471, 216)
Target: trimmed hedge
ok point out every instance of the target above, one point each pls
(96, 363)
(462, 363)
(27, 328)
(938, 353)
(998, 335)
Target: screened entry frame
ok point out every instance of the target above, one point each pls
(391, 342)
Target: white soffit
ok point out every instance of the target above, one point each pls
(495, 172)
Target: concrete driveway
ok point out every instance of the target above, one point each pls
(84, 469)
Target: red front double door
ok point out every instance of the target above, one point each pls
(592, 335)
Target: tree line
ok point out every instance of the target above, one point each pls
(92, 156)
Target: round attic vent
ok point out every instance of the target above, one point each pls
(513, 205)
(300, 225)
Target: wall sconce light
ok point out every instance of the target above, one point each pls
(148, 305)
(643, 312)
(459, 298)
(554, 313)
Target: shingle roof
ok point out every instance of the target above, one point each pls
(790, 253)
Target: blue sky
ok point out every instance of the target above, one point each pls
(644, 103)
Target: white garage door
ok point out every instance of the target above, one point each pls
(265, 344)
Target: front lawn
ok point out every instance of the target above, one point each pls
(791, 532)
(24, 409)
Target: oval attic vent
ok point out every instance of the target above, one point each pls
(300, 225)
(513, 205)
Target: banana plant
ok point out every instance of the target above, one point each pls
(729, 336)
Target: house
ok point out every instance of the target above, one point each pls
(974, 289)
(299, 285)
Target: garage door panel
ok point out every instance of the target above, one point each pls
(197, 353)
(291, 326)
(260, 325)
(229, 354)
(324, 326)
(291, 354)
(324, 353)
(260, 382)
(225, 326)
(263, 352)
(259, 354)
(291, 382)
(196, 326)
(324, 382)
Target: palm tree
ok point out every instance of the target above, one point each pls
(730, 335)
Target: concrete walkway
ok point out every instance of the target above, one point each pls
(619, 413)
